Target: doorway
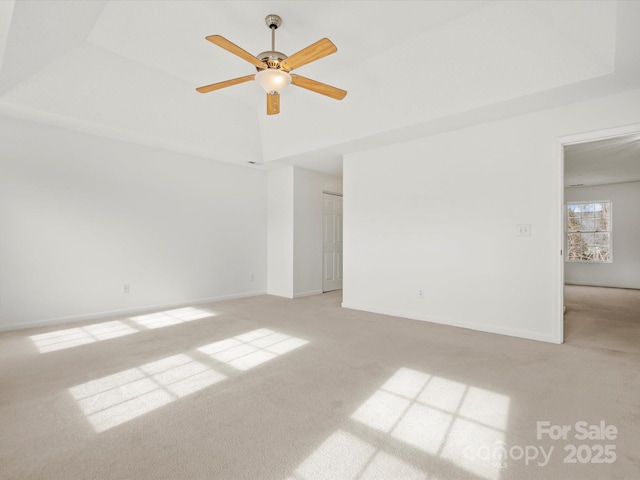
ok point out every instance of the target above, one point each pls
(584, 176)
(331, 242)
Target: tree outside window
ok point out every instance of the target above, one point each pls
(589, 232)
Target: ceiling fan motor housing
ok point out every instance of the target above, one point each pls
(272, 58)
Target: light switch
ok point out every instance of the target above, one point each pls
(523, 230)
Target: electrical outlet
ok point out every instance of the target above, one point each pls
(421, 293)
(126, 288)
(252, 277)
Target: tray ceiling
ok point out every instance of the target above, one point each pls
(128, 69)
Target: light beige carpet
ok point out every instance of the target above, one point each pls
(269, 388)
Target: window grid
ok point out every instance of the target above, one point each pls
(588, 227)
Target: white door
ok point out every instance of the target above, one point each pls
(332, 243)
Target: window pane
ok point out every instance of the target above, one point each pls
(589, 231)
(588, 238)
(600, 207)
(575, 246)
(572, 207)
(587, 222)
(600, 254)
(601, 247)
(602, 222)
(575, 255)
(573, 220)
(602, 239)
(574, 239)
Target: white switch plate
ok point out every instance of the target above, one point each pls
(523, 230)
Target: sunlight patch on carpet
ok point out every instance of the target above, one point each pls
(73, 337)
(348, 457)
(113, 400)
(439, 416)
(252, 348)
(171, 317)
(445, 422)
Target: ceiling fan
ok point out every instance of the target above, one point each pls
(274, 67)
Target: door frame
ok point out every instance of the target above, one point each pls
(561, 142)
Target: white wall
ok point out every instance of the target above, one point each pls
(308, 204)
(80, 216)
(624, 271)
(440, 214)
(280, 236)
(295, 230)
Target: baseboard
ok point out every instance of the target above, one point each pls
(605, 285)
(307, 294)
(528, 335)
(123, 312)
(280, 294)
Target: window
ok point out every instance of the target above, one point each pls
(589, 231)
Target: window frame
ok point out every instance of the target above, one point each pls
(566, 230)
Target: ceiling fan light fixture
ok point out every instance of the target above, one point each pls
(273, 67)
(273, 80)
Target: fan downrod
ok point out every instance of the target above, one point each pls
(272, 58)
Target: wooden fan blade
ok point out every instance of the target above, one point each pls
(318, 87)
(313, 52)
(273, 103)
(226, 83)
(236, 50)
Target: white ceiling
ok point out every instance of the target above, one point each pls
(128, 69)
(611, 160)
